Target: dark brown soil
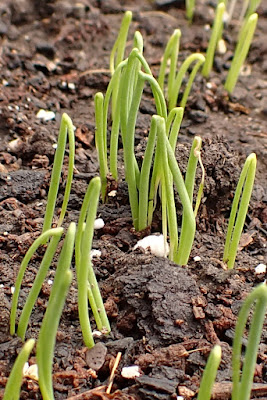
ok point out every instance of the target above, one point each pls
(165, 318)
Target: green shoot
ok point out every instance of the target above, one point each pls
(209, 374)
(117, 55)
(57, 232)
(175, 80)
(241, 51)
(37, 285)
(190, 8)
(117, 52)
(48, 331)
(171, 53)
(242, 384)
(215, 36)
(194, 158)
(199, 59)
(87, 283)
(237, 219)
(188, 220)
(12, 390)
(66, 127)
(101, 142)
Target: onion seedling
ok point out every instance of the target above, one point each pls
(87, 283)
(48, 331)
(241, 51)
(210, 373)
(66, 128)
(215, 36)
(12, 389)
(242, 383)
(190, 8)
(196, 58)
(237, 219)
(188, 219)
(24, 318)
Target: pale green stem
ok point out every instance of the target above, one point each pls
(144, 176)
(39, 241)
(12, 389)
(215, 36)
(168, 201)
(190, 8)
(241, 52)
(242, 385)
(188, 220)
(48, 331)
(237, 219)
(210, 373)
(101, 143)
(199, 58)
(171, 53)
(191, 169)
(37, 285)
(118, 53)
(173, 124)
(66, 128)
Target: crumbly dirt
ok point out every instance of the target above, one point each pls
(164, 318)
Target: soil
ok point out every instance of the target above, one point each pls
(164, 317)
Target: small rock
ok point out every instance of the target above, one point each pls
(95, 357)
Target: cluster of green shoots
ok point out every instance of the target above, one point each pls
(77, 240)
(155, 178)
(248, 22)
(159, 168)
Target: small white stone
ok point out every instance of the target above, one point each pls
(260, 269)
(1, 285)
(131, 372)
(97, 334)
(209, 85)
(197, 258)
(221, 47)
(113, 193)
(45, 115)
(54, 145)
(95, 253)
(5, 83)
(158, 246)
(71, 86)
(31, 371)
(99, 223)
(50, 281)
(12, 289)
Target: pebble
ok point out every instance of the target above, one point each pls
(131, 372)
(95, 357)
(260, 269)
(158, 246)
(45, 115)
(99, 223)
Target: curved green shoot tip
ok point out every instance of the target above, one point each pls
(209, 374)
(117, 53)
(12, 389)
(66, 128)
(171, 53)
(242, 384)
(48, 331)
(241, 51)
(215, 36)
(199, 59)
(237, 219)
(56, 232)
